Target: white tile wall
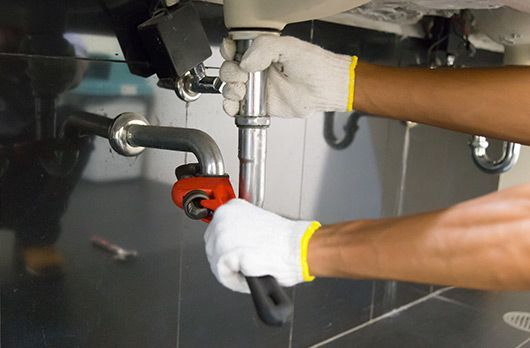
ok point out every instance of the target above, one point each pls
(344, 184)
(167, 110)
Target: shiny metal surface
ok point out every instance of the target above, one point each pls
(86, 123)
(130, 133)
(509, 157)
(184, 90)
(180, 139)
(254, 102)
(253, 122)
(194, 83)
(119, 133)
(252, 153)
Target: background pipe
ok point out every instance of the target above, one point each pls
(509, 157)
(87, 123)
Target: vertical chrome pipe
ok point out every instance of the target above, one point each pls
(252, 153)
(272, 304)
(252, 122)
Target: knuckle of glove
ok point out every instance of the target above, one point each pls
(232, 72)
(231, 107)
(234, 91)
(228, 49)
(227, 270)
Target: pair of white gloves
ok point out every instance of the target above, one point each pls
(242, 239)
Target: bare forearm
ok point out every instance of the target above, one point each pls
(487, 101)
(484, 243)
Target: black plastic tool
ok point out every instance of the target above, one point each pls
(272, 304)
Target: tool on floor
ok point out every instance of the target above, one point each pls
(120, 254)
(199, 196)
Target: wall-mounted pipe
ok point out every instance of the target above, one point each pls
(508, 159)
(86, 123)
(350, 128)
(510, 28)
(130, 133)
(180, 139)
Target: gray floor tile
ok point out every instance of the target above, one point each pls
(327, 307)
(434, 323)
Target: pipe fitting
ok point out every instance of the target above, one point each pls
(118, 133)
(479, 146)
(252, 121)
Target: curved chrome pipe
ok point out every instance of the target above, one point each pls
(180, 139)
(509, 157)
(129, 133)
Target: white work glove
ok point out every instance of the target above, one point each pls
(244, 240)
(302, 78)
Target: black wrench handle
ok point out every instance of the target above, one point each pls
(272, 304)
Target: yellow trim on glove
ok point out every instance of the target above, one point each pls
(351, 85)
(313, 227)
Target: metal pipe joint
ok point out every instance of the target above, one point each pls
(252, 122)
(510, 156)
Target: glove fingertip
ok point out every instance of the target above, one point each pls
(230, 107)
(234, 91)
(231, 72)
(228, 49)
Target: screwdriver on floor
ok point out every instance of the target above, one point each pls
(120, 254)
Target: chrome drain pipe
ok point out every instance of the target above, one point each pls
(272, 304)
(130, 133)
(510, 156)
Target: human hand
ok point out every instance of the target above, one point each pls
(302, 78)
(245, 240)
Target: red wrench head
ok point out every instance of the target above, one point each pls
(209, 192)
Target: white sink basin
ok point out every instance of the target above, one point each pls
(275, 14)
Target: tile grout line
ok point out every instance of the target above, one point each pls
(521, 345)
(302, 172)
(181, 251)
(179, 302)
(372, 302)
(381, 317)
(456, 302)
(304, 146)
(291, 328)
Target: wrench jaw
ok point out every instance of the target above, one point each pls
(199, 196)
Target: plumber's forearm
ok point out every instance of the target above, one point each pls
(486, 101)
(483, 244)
